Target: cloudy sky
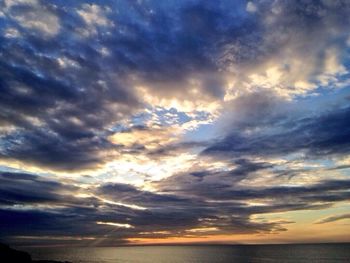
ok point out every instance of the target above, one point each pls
(133, 122)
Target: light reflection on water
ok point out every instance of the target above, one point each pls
(200, 254)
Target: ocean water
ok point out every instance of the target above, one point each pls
(310, 253)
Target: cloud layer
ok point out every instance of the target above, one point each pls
(171, 119)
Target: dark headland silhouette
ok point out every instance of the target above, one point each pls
(9, 255)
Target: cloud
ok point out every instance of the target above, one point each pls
(115, 97)
(176, 209)
(49, 150)
(297, 42)
(33, 16)
(251, 7)
(333, 219)
(54, 104)
(20, 188)
(114, 224)
(146, 138)
(266, 129)
(228, 186)
(94, 16)
(75, 90)
(177, 213)
(50, 207)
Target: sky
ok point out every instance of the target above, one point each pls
(146, 122)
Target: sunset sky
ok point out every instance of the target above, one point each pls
(174, 121)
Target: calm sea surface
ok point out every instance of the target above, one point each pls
(194, 254)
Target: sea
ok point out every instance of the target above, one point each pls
(300, 253)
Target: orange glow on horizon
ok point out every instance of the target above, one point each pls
(296, 234)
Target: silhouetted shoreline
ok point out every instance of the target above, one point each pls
(10, 255)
